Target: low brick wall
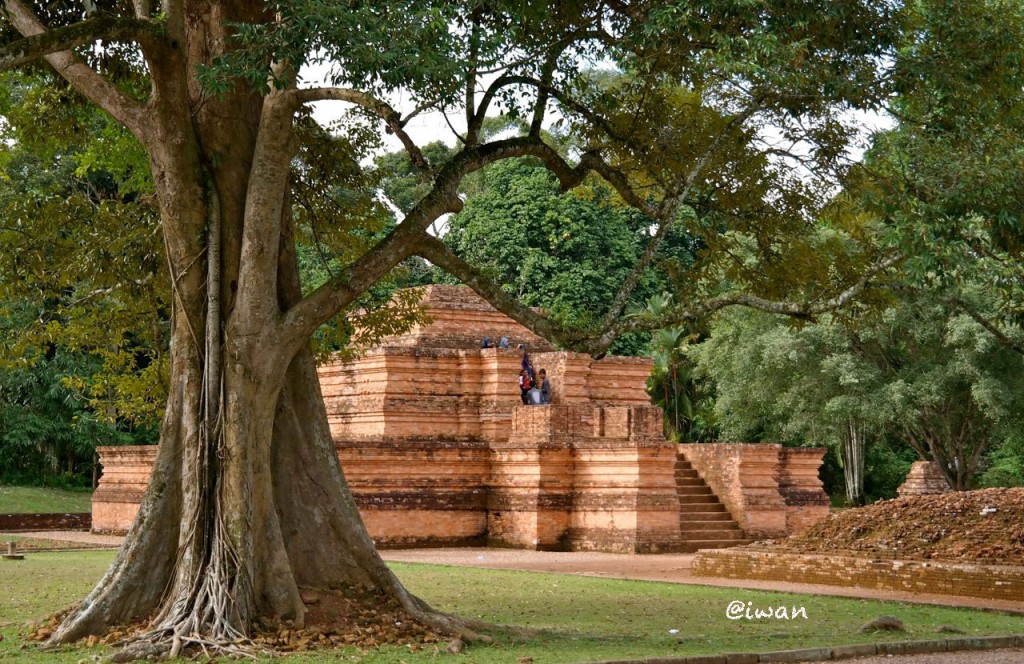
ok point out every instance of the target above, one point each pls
(801, 487)
(25, 522)
(1002, 582)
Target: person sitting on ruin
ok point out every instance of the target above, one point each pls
(488, 343)
(535, 397)
(545, 387)
(503, 344)
(524, 386)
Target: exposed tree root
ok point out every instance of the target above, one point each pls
(336, 618)
(445, 623)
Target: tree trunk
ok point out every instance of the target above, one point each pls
(853, 462)
(247, 501)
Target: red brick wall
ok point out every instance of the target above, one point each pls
(583, 477)
(70, 521)
(745, 477)
(770, 491)
(801, 487)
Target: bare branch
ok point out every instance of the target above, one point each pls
(381, 109)
(471, 74)
(476, 120)
(82, 77)
(541, 106)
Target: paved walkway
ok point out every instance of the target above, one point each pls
(670, 568)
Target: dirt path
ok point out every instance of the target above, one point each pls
(81, 537)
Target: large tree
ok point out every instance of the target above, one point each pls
(247, 503)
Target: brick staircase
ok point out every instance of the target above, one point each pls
(704, 523)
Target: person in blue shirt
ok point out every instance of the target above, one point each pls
(526, 365)
(545, 387)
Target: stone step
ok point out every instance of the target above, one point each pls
(706, 535)
(707, 522)
(698, 510)
(693, 490)
(683, 464)
(700, 498)
(692, 546)
(688, 474)
(689, 481)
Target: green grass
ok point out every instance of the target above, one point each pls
(580, 618)
(42, 500)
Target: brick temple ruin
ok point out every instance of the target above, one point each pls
(439, 450)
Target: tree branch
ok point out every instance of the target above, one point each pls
(794, 309)
(381, 109)
(82, 77)
(666, 215)
(326, 301)
(991, 327)
(264, 204)
(438, 253)
(37, 46)
(143, 9)
(540, 108)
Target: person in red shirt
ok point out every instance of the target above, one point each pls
(524, 386)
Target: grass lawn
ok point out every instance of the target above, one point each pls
(42, 500)
(579, 618)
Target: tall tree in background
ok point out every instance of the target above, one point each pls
(946, 179)
(247, 503)
(916, 370)
(564, 253)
